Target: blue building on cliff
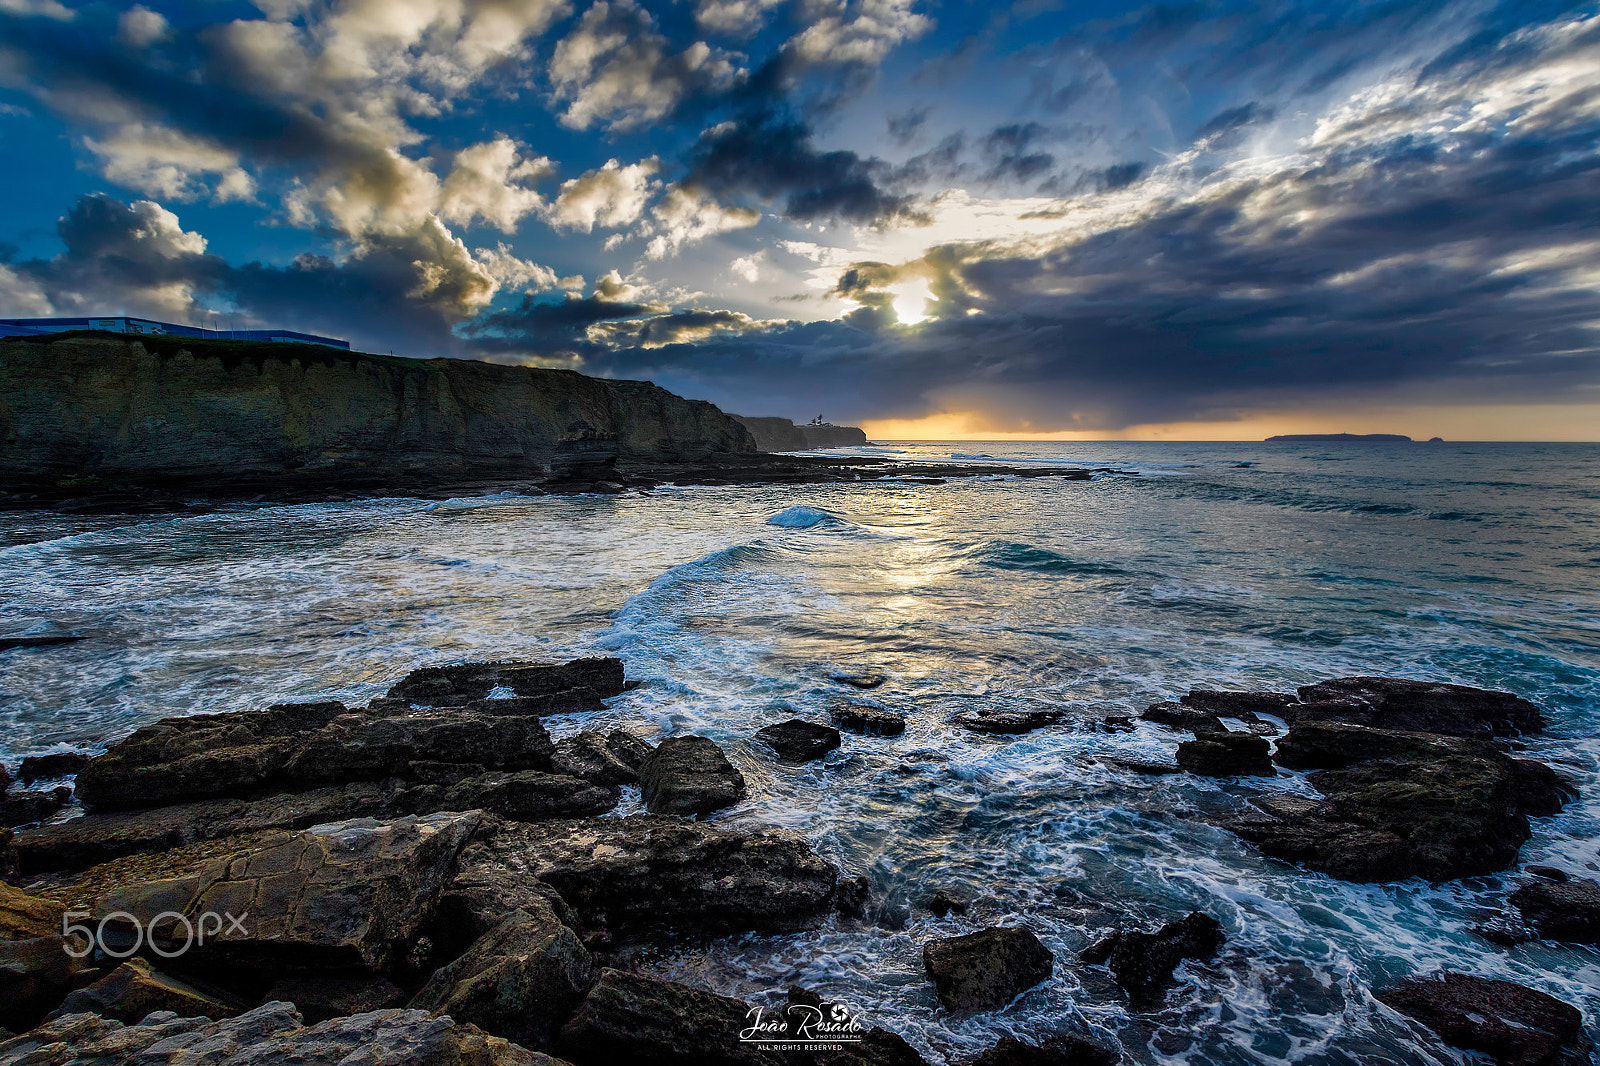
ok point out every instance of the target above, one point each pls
(33, 327)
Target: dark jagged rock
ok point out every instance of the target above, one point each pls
(521, 980)
(987, 969)
(524, 796)
(866, 680)
(348, 896)
(1154, 769)
(589, 756)
(1056, 1051)
(18, 807)
(60, 764)
(270, 1035)
(799, 741)
(655, 872)
(483, 893)
(1143, 962)
(689, 775)
(632, 1020)
(850, 895)
(943, 903)
(1227, 755)
(135, 989)
(860, 718)
(1238, 704)
(1428, 707)
(1549, 873)
(1567, 910)
(8, 854)
(36, 969)
(1117, 723)
(1396, 805)
(1540, 790)
(1007, 722)
(5, 780)
(319, 998)
(628, 749)
(356, 747)
(1514, 1025)
(1179, 716)
(474, 681)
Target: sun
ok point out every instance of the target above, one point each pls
(911, 302)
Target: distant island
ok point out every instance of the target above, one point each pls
(782, 435)
(1372, 438)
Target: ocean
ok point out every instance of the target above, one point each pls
(1216, 565)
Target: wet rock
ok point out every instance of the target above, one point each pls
(861, 718)
(689, 775)
(645, 1021)
(567, 701)
(1539, 789)
(1514, 1025)
(1057, 1051)
(1549, 873)
(270, 1035)
(135, 989)
(474, 681)
(1239, 704)
(525, 796)
(987, 969)
(42, 767)
(1396, 805)
(348, 896)
(521, 980)
(1227, 755)
(1567, 910)
(5, 780)
(357, 747)
(1154, 769)
(1007, 722)
(798, 741)
(20, 807)
(863, 680)
(1143, 962)
(318, 998)
(1424, 707)
(628, 749)
(850, 896)
(1180, 716)
(590, 756)
(1117, 723)
(943, 903)
(654, 872)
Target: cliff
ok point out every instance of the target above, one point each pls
(782, 435)
(213, 413)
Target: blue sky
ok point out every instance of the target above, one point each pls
(1203, 219)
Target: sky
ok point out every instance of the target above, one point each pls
(1199, 219)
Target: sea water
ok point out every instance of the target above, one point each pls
(1180, 565)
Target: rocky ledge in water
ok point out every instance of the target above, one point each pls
(1512, 1024)
(1143, 962)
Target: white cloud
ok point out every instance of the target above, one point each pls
(864, 35)
(49, 9)
(748, 267)
(685, 216)
(163, 162)
(734, 17)
(139, 27)
(22, 297)
(612, 196)
(519, 274)
(490, 181)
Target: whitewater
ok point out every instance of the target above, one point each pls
(1262, 566)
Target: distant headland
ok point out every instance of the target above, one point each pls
(1364, 438)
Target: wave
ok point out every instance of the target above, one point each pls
(472, 503)
(803, 517)
(1015, 555)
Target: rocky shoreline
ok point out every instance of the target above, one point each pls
(433, 874)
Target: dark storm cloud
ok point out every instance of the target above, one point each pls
(905, 126)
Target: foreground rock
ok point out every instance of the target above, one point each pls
(36, 969)
(605, 760)
(1400, 805)
(270, 1035)
(19, 807)
(1059, 1051)
(345, 897)
(1007, 722)
(1417, 706)
(135, 989)
(522, 980)
(1567, 910)
(1144, 962)
(689, 775)
(1179, 716)
(1515, 1026)
(1227, 755)
(42, 767)
(650, 872)
(987, 969)
(860, 718)
(797, 741)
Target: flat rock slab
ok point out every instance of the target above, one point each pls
(270, 1035)
(1567, 910)
(689, 775)
(1514, 1025)
(1239, 704)
(1182, 716)
(861, 718)
(797, 741)
(863, 680)
(1227, 755)
(631, 1018)
(344, 896)
(1421, 706)
(474, 681)
(987, 969)
(655, 872)
(1400, 805)
(590, 756)
(135, 989)
(1143, 962)
(1007, 722)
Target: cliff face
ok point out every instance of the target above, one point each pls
(782, 435)
(190, 410)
